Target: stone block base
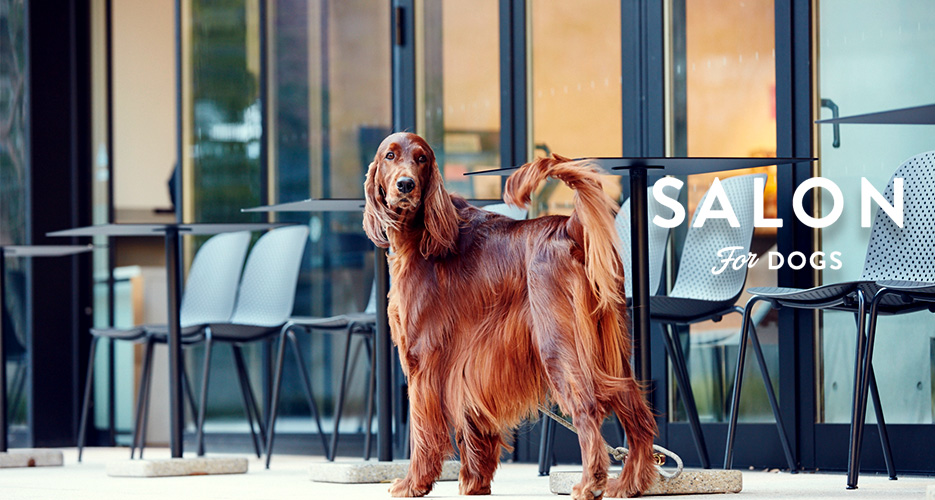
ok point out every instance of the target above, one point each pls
(177, 467)
(371, 471)
(22, 457)
(688, 482)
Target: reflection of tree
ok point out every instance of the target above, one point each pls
(12, 120)
(226, 168)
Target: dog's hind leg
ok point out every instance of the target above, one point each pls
(566, 353)
(638, 471)
(480, 456)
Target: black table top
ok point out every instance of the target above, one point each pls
(160, 229)
(44, 250)
(917, 115)
(671, 165)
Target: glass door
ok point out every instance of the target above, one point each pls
(872, 56)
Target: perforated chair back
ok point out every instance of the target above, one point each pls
(695, 278)
(658, 237)
(211, 288)
(508, 210)
(905, 253)
(267, 289)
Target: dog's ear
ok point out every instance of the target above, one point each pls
(376, 215)
(441, 218)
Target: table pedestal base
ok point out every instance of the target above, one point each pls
(930, 492)
(22, 457)
(360, 471)
(688, 482)
(177, 467)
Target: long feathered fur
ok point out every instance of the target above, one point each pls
(491, 315)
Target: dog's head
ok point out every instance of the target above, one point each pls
(405, 194)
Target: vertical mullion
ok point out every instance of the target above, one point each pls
(794, 138)
(404, 118)
(514, 129)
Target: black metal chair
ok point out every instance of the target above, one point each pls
(361, 324)
(264, 303)
(893, 253)
(209, 296)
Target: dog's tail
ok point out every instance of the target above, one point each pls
(592, 221)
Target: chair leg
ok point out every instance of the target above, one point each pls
(874, 392)
(867, 380)
(773, 403)
(881, 426)
(371, 395)
(274, 403)
(340, 406)
(307, 383)
(853, 461)
(546, 440)
(677, 357)
(248, 410)
(738, 383)
(142, 395)
(254, 404)
(189, 393)
(86, 404)
(202, 404)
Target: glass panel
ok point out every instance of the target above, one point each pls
(222, 172)
(575, 88)
(873, 57)
(459, 91)
(722, 71)
(14, 175)
(223, 62)
(331, 106)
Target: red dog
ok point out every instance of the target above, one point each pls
(490, 314)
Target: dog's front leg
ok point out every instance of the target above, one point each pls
(428, 436)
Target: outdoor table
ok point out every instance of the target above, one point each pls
(171, 232)
(383, 367)
(637, 168)
(22, 251)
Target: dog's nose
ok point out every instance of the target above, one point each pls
(405, 184)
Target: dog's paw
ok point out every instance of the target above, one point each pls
(403, 488)
(473, 489)
(579, 492)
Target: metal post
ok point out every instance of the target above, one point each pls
(384, 361)
(639, 240)
(3, 422)
(175, 345)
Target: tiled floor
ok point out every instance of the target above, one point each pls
(288, 478)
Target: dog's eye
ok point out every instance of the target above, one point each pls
(422, 159)
(390, 155)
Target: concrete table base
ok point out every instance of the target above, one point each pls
(930, 492)
(688, 482)
(30, 458)
(371, 471)
(177, 467)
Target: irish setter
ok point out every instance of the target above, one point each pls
(491, 315)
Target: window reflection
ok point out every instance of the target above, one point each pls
(576, 88)
(458, 86)
(723, 78)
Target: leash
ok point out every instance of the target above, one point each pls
(620, 453)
